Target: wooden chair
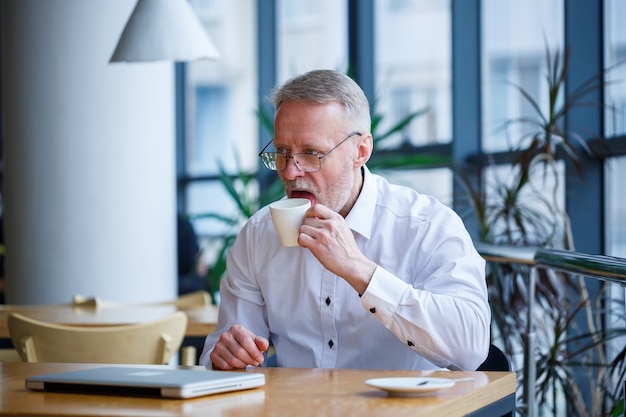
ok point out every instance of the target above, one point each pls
(9, 355)
(196, 299)
(145, 343)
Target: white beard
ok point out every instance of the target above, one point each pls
(335, 198)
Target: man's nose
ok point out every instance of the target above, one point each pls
(291, 170)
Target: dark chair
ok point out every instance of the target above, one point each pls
(496, 360)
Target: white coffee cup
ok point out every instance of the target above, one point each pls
(287, 216)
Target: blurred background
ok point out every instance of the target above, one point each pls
(99, 159)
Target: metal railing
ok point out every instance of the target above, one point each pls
(606, 268)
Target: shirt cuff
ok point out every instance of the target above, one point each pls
(383, 294)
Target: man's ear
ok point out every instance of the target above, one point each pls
(364, 148)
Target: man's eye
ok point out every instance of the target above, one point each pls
(282, 151)
(312, 152)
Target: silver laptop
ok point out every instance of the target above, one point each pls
(146, 381)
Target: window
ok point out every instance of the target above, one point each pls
(615, 171)
(614, 54)
(311, 35)
(412, 55)
(412, 67)
(615, 168)
(616, 207)
(615, 124)
(514, 38)
(211, 102)
(220, 119)
(424, 181)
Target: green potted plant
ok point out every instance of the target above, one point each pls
(521, 208)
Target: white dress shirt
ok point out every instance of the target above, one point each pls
(424, 308)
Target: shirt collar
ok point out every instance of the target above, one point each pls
(361, 216)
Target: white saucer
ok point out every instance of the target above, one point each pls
(410, 386)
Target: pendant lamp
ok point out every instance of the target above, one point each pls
(163, 30)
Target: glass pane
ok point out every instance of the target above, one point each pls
(436, 182)
(222, 94)
(412, 69)
(616, 207)
(615, 230)
(210, 197)
(514, 38)
(525, 215)
(312, 34)
(615, 52)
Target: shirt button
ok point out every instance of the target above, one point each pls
(327, 301)
(408, 342)
(330, 343)
(373, 310)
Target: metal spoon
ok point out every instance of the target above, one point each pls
(443, 382)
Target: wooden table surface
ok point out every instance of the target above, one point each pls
(288, 392)
(201, 321)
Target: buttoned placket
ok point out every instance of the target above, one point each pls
(327, 312)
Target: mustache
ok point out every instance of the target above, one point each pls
(299, 185)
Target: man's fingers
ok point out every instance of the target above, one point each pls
(238, 348)
(224, 361)
(241, 345)
(246, 349)
(262, 343)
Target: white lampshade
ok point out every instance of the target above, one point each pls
(163, 30)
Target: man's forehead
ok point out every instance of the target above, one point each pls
(300, 140)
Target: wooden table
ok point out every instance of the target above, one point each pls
(288, 392)
(201, 321)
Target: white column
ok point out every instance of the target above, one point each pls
(88, 158)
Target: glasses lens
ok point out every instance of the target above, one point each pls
(269, 159)
(307, 162)
(277, 161)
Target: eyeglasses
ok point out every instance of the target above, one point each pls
(306, 162)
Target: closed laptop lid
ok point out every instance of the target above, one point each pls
(146, 381)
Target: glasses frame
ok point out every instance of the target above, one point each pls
(295, 160)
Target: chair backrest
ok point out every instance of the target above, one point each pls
(145, 343)
(190, 301)
(196, 299)
(496, 360)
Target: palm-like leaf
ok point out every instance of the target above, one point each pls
(511, 210)
(396, 128)
(549, 135)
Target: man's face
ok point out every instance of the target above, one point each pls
(312, 127)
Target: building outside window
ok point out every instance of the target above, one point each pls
(220, 121)
(412, 54)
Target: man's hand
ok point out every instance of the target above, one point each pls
(238, 348)
(326, 234)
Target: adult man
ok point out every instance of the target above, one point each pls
(383, 278)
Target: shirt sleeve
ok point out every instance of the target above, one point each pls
(241, 301)
(447, 321)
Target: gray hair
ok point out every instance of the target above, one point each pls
(324, 86)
